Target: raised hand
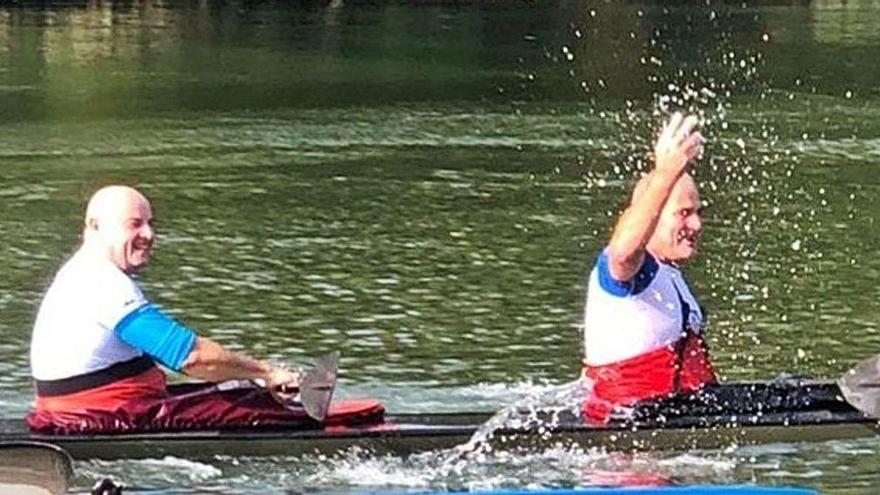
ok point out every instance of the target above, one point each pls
(678, 144)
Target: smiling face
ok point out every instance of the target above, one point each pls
(679, 226)
(119, 225)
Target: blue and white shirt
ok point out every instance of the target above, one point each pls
(625, 319)
(94, 316)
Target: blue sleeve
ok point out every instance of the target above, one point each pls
(151, 331)
(621, 288)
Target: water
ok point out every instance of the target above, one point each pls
(423, 187)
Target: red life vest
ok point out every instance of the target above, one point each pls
(683, 366)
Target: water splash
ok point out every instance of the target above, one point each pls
(492, 457)
(541, 412)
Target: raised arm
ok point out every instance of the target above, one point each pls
(678, 144)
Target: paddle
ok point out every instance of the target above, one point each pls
(34, 468)
(315, 389)
(861, 386)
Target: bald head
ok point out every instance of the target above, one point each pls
(686, 181)
(110, 201)
(119, 226)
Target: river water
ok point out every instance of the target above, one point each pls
(424, 185)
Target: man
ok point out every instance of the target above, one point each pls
(643, 325)
(97, 338)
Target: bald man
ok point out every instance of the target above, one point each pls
(97, 339)
(643, 324)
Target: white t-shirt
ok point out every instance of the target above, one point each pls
(623, 320)
(74, 331)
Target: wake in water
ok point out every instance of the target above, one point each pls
(492, 458)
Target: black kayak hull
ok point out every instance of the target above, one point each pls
(764, 413)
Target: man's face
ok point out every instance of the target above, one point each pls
(679, 226)
(127, 232)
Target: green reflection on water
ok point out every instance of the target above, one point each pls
(424, 188)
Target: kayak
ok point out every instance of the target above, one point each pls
(736, 413)
(651, 490)
(34, 468)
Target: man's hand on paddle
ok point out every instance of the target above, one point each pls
(283, 384)
(678, 144)
(283, 379)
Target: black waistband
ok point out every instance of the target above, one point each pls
(78, 383)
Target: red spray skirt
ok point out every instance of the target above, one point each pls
(200, 407)
(681, 367)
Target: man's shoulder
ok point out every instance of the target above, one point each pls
(99, 276)
(88, 289)
(602, 275)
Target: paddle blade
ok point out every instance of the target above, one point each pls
(861, 386)
(34, 468)
(317, 385)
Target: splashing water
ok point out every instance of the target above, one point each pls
(541, 412)
(490, 458)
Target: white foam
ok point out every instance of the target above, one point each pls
(169, 470)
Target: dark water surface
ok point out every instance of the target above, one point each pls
(423, 187)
